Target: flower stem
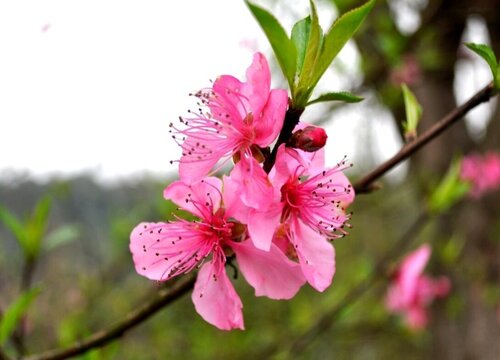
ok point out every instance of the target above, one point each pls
(292, 117)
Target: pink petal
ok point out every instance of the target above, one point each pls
(216, 300)
(235, 208)
(284, 167)
(263, 224)
(410, 271)
(230, 103)
(235, 97)
(202, 198)
(158, 253)
(256, 89)
(270, 273)
(442, 286)
(289, 161)
(193, 166)
(416, 318)
(316, 255)
(255, 189)
(270, 123)
(393, 300)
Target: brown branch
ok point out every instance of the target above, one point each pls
(366, 183)
(132, 319)
(298, 343)
(292, 117)
(3, 355)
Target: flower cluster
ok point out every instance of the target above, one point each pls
(411, 292)
(483, 172)
(275, 225)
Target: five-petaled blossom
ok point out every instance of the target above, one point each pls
(235, 120)
(306, 210)
(482, 171)
(164, 250)
(411, 292)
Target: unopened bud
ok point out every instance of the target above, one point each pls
(310, 138)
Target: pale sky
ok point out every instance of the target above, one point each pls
(91, 85)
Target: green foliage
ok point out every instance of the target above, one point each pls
(61, 236)
(489, 56)
(340, 32)
(337, 96)
(413, 113)
(313, 49)
(451, 250)
(29, 234)
(15, 312)
(300, 38)
(283, 47)
(306, 56)
(449, 191)
(13, 224)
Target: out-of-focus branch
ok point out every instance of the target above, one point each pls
(365, 184)
(18, 336)
(298, 343)
(3, 355)
(131, 320)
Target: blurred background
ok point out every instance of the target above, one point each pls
(87, 90)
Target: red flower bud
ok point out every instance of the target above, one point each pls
(309, 139)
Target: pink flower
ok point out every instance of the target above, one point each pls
(411, 292)
(164, 250)
(235, 120)
(483, 172)
(302, 214)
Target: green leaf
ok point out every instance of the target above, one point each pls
(15, 226)
(314, 44)
(340, 32)
(413, 112)
(283, 47)
(36, 226)
(61, 236)
(489, 56)
(15, 312)
(449, 191)
(337, 96)
(300, 37)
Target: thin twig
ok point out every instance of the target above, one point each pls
(131, 320)
(365, 184)
(298, 343)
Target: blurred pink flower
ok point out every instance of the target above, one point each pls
(483, 172)
(235, 119)
(408, 72)
(164, 250)
(411, 292)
